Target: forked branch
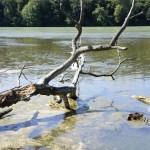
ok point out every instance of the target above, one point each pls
(77, 24)
(137, 15)
(21, 73)
(12, 96)
(120, 62)
(123, 27)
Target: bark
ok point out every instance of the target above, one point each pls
(13, 96)
(3, 113)
(46, 79)
(66, 102)
(116, 37)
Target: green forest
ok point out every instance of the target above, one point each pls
(45, 13)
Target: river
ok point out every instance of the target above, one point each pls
(99, 120)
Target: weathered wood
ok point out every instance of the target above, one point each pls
(143, 99)
(65, 100)
(80, 64)
(50, 76)
(15, 95)
(117, 35)
(11, 97)
(4, 112)
(77, 24)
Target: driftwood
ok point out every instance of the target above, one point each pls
(10, 97)
(43, 87)
(143, 99)
(4, 112)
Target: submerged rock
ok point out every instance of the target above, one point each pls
(137, 116)
(142, 98)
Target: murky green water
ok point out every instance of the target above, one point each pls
(96, 124)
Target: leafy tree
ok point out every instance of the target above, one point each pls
(121, 10)
(21, 4)
(11, 15)
(40, 13)
(47, 12)
(73, 6)
(119, 13)
(31, 13)
(141, 5)
(1, 13)
(101, 15)
(148, 14)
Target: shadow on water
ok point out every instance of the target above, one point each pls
(69, 125)
(34, 121)
(25, 124)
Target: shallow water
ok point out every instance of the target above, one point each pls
(96, 124)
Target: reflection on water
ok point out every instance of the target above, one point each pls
(93, 125)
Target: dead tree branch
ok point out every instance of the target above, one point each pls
(107, 75)
(50, 76)
(76, 76)
(62, 80)
(117, 35)
(113, 72)
(77, 24)
(4, 112)
(21, 73)
(10, 97)
(43, 87)
(80, 62)
(137, 15)
(111, 106)
(65, 100)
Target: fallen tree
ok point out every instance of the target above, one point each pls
(43, 87)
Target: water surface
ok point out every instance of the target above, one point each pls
(95, 124)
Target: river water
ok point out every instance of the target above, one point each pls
(99, 119)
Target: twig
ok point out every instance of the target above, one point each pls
(139, 14)
(21, 73)
(111, 106)
(63, 76)
(113, 72)
(117, 35)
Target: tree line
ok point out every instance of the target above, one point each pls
(47, 12)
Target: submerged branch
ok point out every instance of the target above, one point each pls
(113, 72)
(4, 112)
(21, 73)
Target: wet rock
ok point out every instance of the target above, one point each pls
(143, 99)
(137, 116)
